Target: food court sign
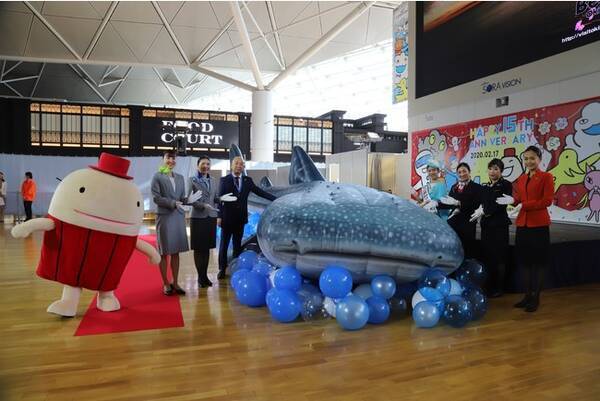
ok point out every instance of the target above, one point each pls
(204, 134)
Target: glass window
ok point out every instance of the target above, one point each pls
(327, 142)
(314, 140)
(285, 138)
(91, 130)
(35, 127)
(71, 128)
(300, 137)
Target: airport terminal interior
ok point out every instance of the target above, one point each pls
(299, 200)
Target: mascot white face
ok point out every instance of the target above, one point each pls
(91, 199)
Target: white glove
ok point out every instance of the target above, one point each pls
(505, 200)
(210, 207)
(448, 200)
(514, 212)
(228, 198)
(477, 214)
(431, 206)
(454, 213)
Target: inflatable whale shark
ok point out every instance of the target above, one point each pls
(314, 223)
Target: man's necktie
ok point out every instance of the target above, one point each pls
(237, 183)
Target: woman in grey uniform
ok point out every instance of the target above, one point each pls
(168, 192)
(203, 224)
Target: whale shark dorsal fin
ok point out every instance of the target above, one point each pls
(302, 168)
(265, 182)
(234, 151)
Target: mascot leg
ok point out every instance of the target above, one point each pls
(67, 305)
(107, 301)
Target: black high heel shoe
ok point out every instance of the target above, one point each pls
(168, 291)
(524, 302)
(178, 290)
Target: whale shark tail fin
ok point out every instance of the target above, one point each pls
(265, 182)
(234, 151)
(302, 168)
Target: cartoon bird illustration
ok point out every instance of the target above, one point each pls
(569, 170)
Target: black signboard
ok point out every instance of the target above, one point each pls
(198, 133)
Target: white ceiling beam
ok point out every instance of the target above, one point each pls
(274, 28)
(109, 70)
(112, 96)
(193, 91)
(88, 83)
(179, 83)
(3, 66)
(11, 68)
(38, 79)
(245, 38)
(51, 29)
(214, 40)
(13, 89)
(224, 78)
(170, 31)
(100, 29)
(19, 79)
(110, 82)
(322, 42)
(166, 84)
(260, 32)
(311, 17)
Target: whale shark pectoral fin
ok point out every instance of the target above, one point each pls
(234, 151)
(302, 168)
(266, 182)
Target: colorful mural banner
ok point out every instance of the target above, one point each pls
(568, 135)
(400, 42)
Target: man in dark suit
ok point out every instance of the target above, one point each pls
(233, 214)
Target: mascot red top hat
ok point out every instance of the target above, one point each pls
(90, 233)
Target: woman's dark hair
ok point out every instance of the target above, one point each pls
(463, 164)
(203, 157)
(496, 162)
(170, 153)
(29, 175)
(535, 150)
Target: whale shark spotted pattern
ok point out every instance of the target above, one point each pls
(314, 223)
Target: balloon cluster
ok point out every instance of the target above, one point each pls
(454, 301)
(249, 228)
(287, 295)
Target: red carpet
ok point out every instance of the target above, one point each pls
(143, 305)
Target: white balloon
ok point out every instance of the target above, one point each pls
(455, 287)
(364, 291)
(329, 306)
(417, 297)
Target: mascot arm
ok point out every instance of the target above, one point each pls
(23, 230)
(148, 250)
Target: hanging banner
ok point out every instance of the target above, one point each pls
(400, 42)
(568, 135)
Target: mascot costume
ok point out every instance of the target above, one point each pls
(90, 233)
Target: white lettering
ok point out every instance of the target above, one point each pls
(167, 137)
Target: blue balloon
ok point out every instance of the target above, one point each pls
(471, 272)
(364, 291)
(455, 287)
(352, 312)
(263, 268)
(288, 278)
(379, 309)
(406, 290)
(478, 301)
(434, 279)
(457, 311)
(335, 282)
(251, 289)
(426, 314)
(247, 259)
(383, 286)
(398, 306)
(283, 305)
(237, 277)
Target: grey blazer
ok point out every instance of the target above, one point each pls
(163, 194)
(209, 195)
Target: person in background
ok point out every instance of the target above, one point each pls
(168, 192)
(533, 193)
(494, 223)
(2, 196)
(464, 198)
(28, 191)
(234, 190)
(203, 223)
(433, 191)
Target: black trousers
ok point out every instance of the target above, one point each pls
(27, 205)
(466, 232)
(227, 232)
(494, 243)
(533, 248)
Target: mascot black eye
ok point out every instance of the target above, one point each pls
(82, 189)
(138, 203)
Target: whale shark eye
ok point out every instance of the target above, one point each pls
(82, 190)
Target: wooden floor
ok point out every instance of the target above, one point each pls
(230, 352)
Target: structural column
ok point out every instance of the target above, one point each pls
(262, 129)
